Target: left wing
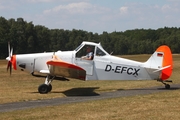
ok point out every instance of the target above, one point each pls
(58, 67)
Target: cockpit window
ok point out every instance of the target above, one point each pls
(84, 51)
(99, 52)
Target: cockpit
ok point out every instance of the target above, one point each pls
(87, 54)
(88, 48)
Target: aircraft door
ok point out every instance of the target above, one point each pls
(86, 65)
(84, 58)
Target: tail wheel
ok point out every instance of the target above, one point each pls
(167, 86)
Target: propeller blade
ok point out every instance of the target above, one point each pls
(9, 65)
(10, 68)
(11, 52)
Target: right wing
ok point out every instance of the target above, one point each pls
(58, 67)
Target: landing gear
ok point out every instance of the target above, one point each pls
(46, 87)
(167, 86)
(43, 89)
(49, 88)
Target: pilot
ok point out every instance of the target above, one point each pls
(89, 55)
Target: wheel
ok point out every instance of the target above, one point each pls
(43, 89)
(167, 86)
(49, 88)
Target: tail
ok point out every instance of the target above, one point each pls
(161, 61)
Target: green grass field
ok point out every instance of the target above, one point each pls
(21, 86)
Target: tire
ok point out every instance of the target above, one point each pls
(43, 89)
(167, 86)
(49, 88)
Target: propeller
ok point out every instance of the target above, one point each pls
(10, 59)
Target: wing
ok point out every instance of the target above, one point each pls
(58, 67)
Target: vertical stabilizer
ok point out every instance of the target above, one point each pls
(161, 62)
(167, 61)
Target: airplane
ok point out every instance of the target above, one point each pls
(102, 66)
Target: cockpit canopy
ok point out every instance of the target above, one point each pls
(95, 48)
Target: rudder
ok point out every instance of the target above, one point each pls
(167, 61)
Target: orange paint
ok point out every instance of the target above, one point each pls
(58, 62)
(13, 61)
(166, 73)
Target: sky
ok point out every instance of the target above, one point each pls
(95, 16)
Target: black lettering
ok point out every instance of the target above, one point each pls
(123, 69)
(117, 70)
(136, 71)
(129, 71)
(108, 68)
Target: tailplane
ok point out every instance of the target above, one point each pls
(161, 61)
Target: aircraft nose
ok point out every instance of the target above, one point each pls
(13, 60)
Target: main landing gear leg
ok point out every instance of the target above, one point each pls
(46, 87)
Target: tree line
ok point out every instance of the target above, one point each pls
(25, 37)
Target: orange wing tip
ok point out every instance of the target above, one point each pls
(167, 61)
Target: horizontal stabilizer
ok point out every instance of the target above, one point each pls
(167, 80)
(162, 68)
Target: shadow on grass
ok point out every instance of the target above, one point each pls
(90, 91)
(173, 88)
(86, 91)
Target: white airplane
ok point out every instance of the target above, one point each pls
(102, 65)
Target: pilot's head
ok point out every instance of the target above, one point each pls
(88, 49)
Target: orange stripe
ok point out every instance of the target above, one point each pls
(166, 73)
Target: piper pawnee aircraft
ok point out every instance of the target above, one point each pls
(102, 66)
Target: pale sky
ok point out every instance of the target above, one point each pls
(95, 15)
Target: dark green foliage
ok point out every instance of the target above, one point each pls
(27, 38)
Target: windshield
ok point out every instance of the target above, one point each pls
(99, 52)
(78, 47)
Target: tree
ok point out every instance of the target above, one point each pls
(26, 38)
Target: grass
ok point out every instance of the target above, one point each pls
(21, 86)
(148, 107)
